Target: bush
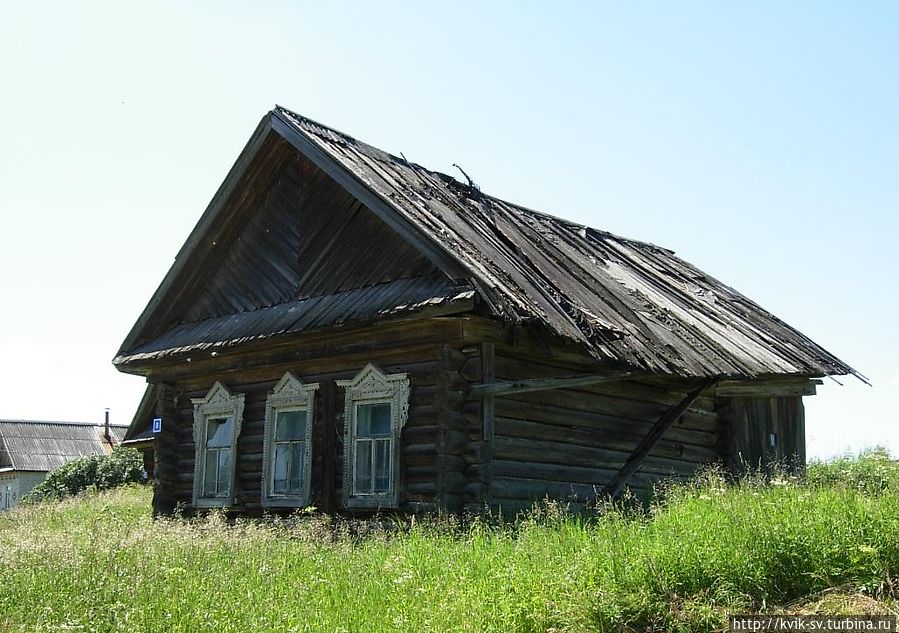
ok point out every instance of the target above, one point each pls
(872, 472)
(95, 472)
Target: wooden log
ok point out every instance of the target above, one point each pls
(476, 452)
(536, 489)
(488, 416)
(615, 439)
(565, 414)
(166, 450)
(421, 489)
(561, 454)
(617, 483)
(553, 472)
(507, 387)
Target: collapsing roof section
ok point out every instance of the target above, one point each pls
(622, 300)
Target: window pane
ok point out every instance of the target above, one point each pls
(362, 467)
(297, 466)
(373, 420)
(291, 426)
(382, 466)
(209, 474)
(218, 432)
(224, 473)
(280, 469)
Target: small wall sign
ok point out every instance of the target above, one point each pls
(157, 425)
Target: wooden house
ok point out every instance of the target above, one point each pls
(29, 449)
(347, 329)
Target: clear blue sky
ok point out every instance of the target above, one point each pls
(758, 140)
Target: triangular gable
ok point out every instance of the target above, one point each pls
(281, 229)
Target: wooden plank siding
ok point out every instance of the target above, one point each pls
(747, 425)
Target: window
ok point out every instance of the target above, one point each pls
(287, 450)
(217, 422)
(216, 478)
(375, 411)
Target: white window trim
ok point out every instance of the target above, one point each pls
(372, 386)
(219, 402)
(290, 394)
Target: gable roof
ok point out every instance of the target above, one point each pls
(622, 300)
(42, 446)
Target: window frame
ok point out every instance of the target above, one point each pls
(218, 403)
(372, 386)
(289, 394)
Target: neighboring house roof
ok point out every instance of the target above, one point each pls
(622, 300)
(42, 446)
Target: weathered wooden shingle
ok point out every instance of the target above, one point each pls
(380, 236)
(394, 298)
(623, 299)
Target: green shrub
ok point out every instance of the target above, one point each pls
(872, 472)
(95, 472)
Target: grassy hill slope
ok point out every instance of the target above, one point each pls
(100, 563)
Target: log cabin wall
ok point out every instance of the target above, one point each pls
(433, 445)
(568, 443)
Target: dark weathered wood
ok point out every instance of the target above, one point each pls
(572, 410)
(380, 207)
(351, 344)
(166, 450)
(488, 410)
(326, 421)
(616, 485)
(506, 387)
(449, 401)
(747, 429)
(431, 440)
(768, 388)
(554, 453)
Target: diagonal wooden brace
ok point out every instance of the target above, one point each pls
(672, 415)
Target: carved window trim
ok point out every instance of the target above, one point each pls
(290, 394)
(372, 386)
(219, 402)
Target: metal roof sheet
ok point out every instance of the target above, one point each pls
(42, 446)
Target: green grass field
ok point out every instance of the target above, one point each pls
(100, 563)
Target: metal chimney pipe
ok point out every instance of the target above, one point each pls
(106, 432)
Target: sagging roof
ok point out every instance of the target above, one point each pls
(622, 300)
(32, 445)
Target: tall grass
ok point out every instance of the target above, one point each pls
(99, 563)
